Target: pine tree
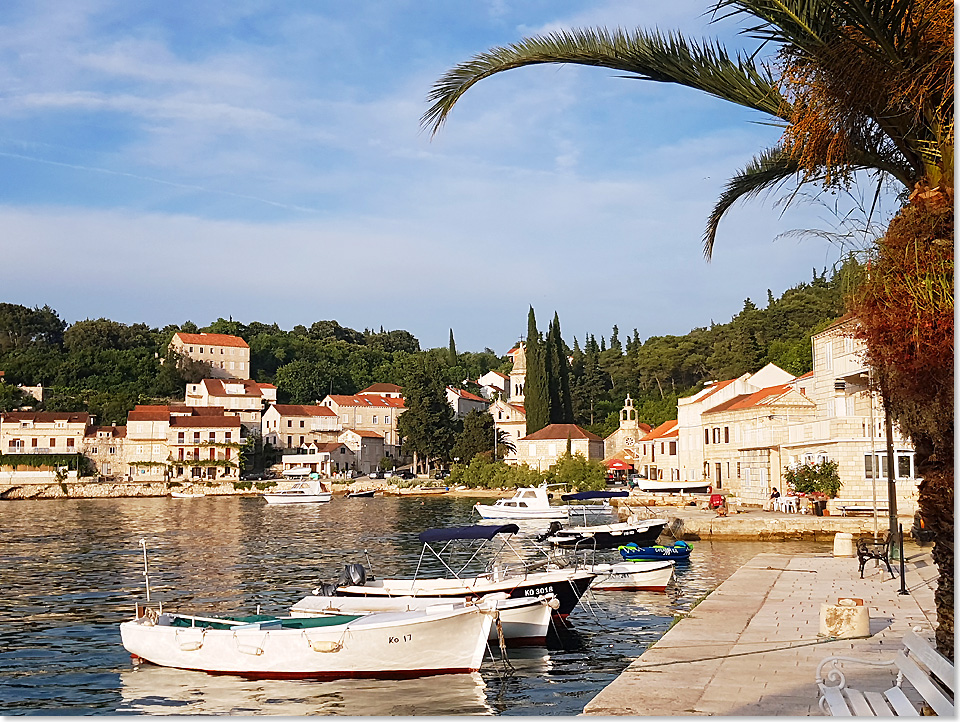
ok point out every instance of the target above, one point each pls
(615, 340)
(535, 392)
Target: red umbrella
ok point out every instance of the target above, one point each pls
(617, 464)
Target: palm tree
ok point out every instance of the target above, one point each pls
(862, 85)
(857, 85)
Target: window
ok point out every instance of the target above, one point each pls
(226, 454)
(738, 469)
(196, 452)
(201, 349)
(53, 442)
(213, 453)
(227, 436)
(112, 450)
(221, 352)
(241, 365)
(94, 450)
(374, 419)
(828, 355)
(289, 441)
(196, 437)
(69, 443)
(706, 436)
(213, 436)
(289, 423)
(106, 469)
(301, 424)
(716, 434)
(301, 441)
(719, 480)
(182, 451)
(673, 448)
(726, 434)
(180, 437)
(359, 419)
(662, 446)
(386, 419)
(33, 443)
(346, 419)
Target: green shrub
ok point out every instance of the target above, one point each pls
(261, 485)
(823, 477)
(243, 485)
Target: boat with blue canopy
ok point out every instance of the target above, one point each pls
(589, 510)
(507, 569)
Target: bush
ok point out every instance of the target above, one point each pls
(242, 485)
(822, 477)
(261, 485)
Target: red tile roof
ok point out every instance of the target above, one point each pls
(116, 432)
(303, 410)
(382, 389)
(666, 430)
(716, 387)
(465, 394)
(372, 400)
(561, 432)
(213, 339)
(763, 397)
(364, 432)
(215, 387)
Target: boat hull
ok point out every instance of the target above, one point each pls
(492, 511)
(672, 487)
(524, 621)
(396, 645)
(281, 498)
(679, 551)
(567, 584)
(632, 576)
(609, 536)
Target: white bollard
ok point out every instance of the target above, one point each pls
(843, 544)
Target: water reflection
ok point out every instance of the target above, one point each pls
(148, 689)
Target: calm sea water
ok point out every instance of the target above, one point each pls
(72, 570)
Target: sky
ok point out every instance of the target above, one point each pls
(174, 161)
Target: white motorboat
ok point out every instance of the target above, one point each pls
(605, 536)
(523, 621)
(568, 584)
(187, 494)
(307, 491)
(437, 640)
(622, 576)
(529, 502)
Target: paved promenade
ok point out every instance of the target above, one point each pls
(751, 647)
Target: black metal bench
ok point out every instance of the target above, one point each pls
(868, 548)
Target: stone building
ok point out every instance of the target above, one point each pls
(227, 356)
(239, 397)
(369, 412)
(291, 426)
(541, 449)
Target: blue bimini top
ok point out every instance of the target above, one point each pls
(480, 531)
(593, 495)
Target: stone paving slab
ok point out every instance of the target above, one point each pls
(752, 646)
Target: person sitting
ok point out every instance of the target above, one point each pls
(772, 501)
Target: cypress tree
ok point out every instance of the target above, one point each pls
(552, 369)
(563, 372)
(535, 392)
(453, 350)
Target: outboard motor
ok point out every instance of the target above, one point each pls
(554, 527)
(326, 589)
(352, 575)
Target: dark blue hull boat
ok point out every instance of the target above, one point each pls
(678, 551)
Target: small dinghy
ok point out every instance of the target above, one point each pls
(632, 576)
(677, 551)
(361, 494)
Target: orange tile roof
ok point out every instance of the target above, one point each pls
(561, 431)
(117, 432)
(303, 410)
(372, 400)
(763, 397)
(716, 387)
(213, 339)
(365, 433)
(149, 413)
(465, 394)
(666, 430)
(215, 387)
(329, 446)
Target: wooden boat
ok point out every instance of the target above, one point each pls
(187, 494)
(529, 502)
(523, 620)
(632, 576)
(361, 494)
(308, 491)
(606, 536)
(677, 551)
(438, 640)
(663, 486)
(568, 584)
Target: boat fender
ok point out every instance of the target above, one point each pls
(252, 649)
(553, 603)
(324, 645)
(190, 645)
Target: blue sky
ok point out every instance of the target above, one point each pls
(164, 162)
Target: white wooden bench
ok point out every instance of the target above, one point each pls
(859, 506)
(935, 684)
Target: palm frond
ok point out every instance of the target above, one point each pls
(764, 172)
(665, 58)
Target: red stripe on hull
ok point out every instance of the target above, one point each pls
(631, 589)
